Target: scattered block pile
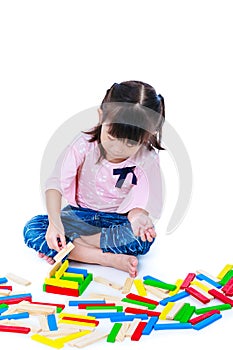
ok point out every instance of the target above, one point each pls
(190, 304)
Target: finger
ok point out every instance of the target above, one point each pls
(152, 232)
(62, 241)
(148, 236)
(142, 235)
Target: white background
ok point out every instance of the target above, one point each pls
(59, 58)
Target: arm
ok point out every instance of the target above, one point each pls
(55, 235)
(142, 224)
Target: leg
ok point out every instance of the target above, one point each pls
(87, 250)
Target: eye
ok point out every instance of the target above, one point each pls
(110, 137)
(132, 143)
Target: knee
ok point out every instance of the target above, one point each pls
(34, 228)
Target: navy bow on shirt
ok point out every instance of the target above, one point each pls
(123, 172)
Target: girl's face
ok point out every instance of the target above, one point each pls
(117, 150)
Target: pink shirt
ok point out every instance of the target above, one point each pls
(84, 181)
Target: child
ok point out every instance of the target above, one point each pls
(111, 179)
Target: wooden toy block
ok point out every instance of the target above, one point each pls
(65, 314)
(3, 310)
(52, 322)
(85, 283)
(70, 337)
(138, 331)
(176, 297)
(215, 307)
(19, 323)
(142, 299)
(73, 276)
(132, 327)
(194, 293)
(140, 287)
(207, 321)
(122, 332)
(108, 283)
(43, 323)
(169, 326)
(105, 314)
(105, 308)
(166, 310)
(202, 317)
(133, 310)
(132, 301)
(89, 339)
(156, 292)
(86, 301)
(103, 305)
(54, 268)
(77, 271)
(5, 292)
(127, 285)
(77, 323)
(203, 272)
(15, 316)
(187, 314)
(203, 292)
(34, 309)
(6, 287)
(61, 283)
(224, 271)
(209, 280)
(14, 329)
(150, 325)
(62, 291)
(188, 279)
(15, 299)
(62, 269)
(3, 280)
(81, 319)
(218, 295)
(173, 312)
(65, 251)
(158, 284)
(58, 306)
(44, 340)
(226, 278)
(175, 291)
(181, 312)
(113, 333)
(124, 318)
(18, 279)
(201, 285)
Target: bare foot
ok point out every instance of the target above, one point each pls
(123, 262)
(50, 260)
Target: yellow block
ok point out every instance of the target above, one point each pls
(200, 285)
(70, 337)
(61, 283)
(62, 269)
(70, 274)
(224, 271)
(166, 310)
(78, 323)
(178, 284)
(63, 314)
(47, 341)
(140, 287)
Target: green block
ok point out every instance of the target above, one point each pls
(118, 308)
(59, 309)
(75, 279)
(44, 287)
(114, 331)
(187, 314)
(159, 284)
(226, 278)
(181, 312)
(85, 283)
(142, 303)
(4, 306)
(210, 308)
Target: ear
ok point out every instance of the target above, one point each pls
(100, 112)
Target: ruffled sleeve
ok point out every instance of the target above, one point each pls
(147, 194)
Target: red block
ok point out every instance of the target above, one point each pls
(138, 331)
(143, 299)
(80, 320)
(188, 279)
(6, 287)
(197, 295)
(228, 288)
(62, 306)
(15, 301)
(14, 329)
(62, 291)
(202, 317)
(134, 310)
(220, 296)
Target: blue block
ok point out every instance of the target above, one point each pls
(15, 316)
(163, 326)
(3, 280)
(141, 316)
(148, 277)
(84, 272)
(125, 318)
(150, 325)
(105, 314)
(3, 310)
(201, 277)
(174, 298)
(16, 296)
(207, 321)
(52, 323)
(78, 302)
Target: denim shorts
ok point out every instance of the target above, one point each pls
(116, 235)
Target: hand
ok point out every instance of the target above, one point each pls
(55, 236)
(142, 226)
